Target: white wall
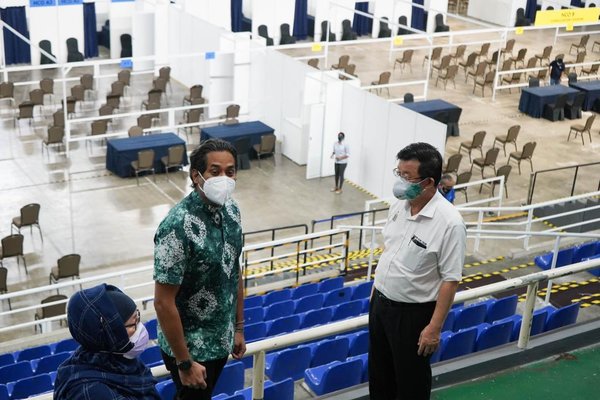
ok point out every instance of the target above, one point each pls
(324, 10)
(120, 15)
(273, 13)
(218, 12)
(435, 7)
(392, 9)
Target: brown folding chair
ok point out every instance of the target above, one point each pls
(545, 55)
(314, 62)
(195, 93)
(459, 54)
(442, 65)
(174, 159)
(581, 129)
(384, 79)
(491, 156)
(29, 216)
(54, 138)
(145, 162)
(483, 52)
(3, 285)
(510, 45)
(448, 75)
(25, 112)
(469, 64)
(462, 178)
(510, 137)
(525, 154)
(52, 310)
(487, 80)
(436, 54)
(504, 170)
(476, 143)
(12, 246)
(165, 73)
(520, 58)
(66, 267)
(406, 59)
(342, 62)
(453, 164)
(135, 131)
(266, 146)
(232, 114)
(582, 44)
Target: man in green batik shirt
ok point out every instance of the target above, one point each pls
(198, 293)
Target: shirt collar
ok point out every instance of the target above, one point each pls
(429, 210)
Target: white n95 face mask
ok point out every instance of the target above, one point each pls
(140, 341)
(218, 189)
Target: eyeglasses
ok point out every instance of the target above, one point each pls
(397, 173)
(137, 321)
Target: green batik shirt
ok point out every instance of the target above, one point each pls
(197, 246)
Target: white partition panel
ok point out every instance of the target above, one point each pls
(218, 12)
(273, 13)
(325, 10)
(144, 42)
(435, 7)
(120, 15)
(383, 8)
(500, 12)
(332, 123)
(354, 124)
(43, 25)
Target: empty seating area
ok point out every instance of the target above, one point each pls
(571, 255)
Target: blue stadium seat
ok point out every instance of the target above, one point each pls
(595, 271)
(327, 285)
(305, 290)
(233, 397)
(283, 390)
(459, 344)
(4, 393)
(254, 332)
(585, 250)
(7, 359)
(283, 325)
(359, 343)
(365, 306)
(278, 310)
(16, 371)
(231, 379)
(471, 315)
(288, 363)
(337, 296)
(362, 291)
(166, 389)
(334, 376)
(364, 358)
(565, 257)
(538, 322)
(562, 317)
(27, 387)
(32, 353)
(347, 310)
(328, 350)
(254, 315)
(494, 335)
(435, 357)
(277, 296)
(66, 345)
(152, 357)
(152, 328)
(449, 321)
(501, 308)
(316, 317)
(253, 301)
(309, 302)
(49, 363)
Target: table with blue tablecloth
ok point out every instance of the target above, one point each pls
(592, 92)
(121, 152)
(534, 99)
(230, 133)
(435, 109)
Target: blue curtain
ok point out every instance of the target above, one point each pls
(236, 15)
(362, 25)
(300, 20)
(418, 16)
(530, 10)
(90, 37)
(16, 51)
(577, 3)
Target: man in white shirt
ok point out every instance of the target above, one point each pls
(415, 280)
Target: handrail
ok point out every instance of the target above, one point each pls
(273, 232)
(533, 178)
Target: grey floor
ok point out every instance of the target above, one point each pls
(111, 221)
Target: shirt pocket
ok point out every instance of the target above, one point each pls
(412, 256)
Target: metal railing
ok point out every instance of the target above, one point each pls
(364, 216)
(273, 232)
(534, 175)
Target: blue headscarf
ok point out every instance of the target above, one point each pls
(97, 370)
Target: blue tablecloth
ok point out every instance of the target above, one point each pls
(534, 99)
(121, 152)
(592, 92)
(231, 133)
(432, 108)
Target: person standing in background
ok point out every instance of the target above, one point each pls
(557, 68)
(341, 152)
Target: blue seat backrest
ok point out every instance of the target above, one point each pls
(231, 379)
(359, 343)
(329, 350)
(66, 345)
(502, 308)
(7, 359)
(304, 290)
(16, 371)
(347, 310)
(334, 376)
(33, 385)
(316, 317)
(459, 344)
(584, 251)
(34, 352)
(277, 297)
(362, 291)
(283, 390)
(151, 355)
(254, 315)
(494, 335)
(562, 317)
(595, 271)
(364, 358)
(471, 315)
(253, 301)
(449, 321)
(565, 257)
(538, 323)
(337, 296)
(50, 363)
(166, 389)
(253, 332)
(283, 325)
(152, 328)
(289, 363)
(310, 302)
(278, 310)
(4, 393)
(330, 284)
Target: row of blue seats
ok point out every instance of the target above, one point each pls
(28, 387)
(571, 255)
(476, 313)
(296, 293)
(25, 369)
(283, 390)
(36, 352)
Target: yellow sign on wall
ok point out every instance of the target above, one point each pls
(568, 17)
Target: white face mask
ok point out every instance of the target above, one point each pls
(140, 342)
(218, 189)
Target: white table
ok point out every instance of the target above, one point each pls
(499, 12)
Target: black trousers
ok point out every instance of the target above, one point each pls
(339, 174)
(396, 372)
(213, 370)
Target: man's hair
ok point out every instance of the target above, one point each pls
(447, 177)
(199, 157)
(343, 134)
(430, 160)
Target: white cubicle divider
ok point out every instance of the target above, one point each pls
(217, 12)
(392, 9)
(499, 12)
(273, 13)
(143, 30)
(120, 14)
(329, 10)
(556, 4)
(435, 7)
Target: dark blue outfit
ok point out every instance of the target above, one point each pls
(97, 370)
(556, 70)
(449, 195)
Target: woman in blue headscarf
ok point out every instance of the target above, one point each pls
(106, 323)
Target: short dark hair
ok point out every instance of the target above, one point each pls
(199, 159)
(430, 160)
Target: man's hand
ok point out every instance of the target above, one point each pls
(239, 346)
(195, 377)
(429, 340)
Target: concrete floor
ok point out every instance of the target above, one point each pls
(111, 221)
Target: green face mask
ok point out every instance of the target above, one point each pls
(405, 190)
